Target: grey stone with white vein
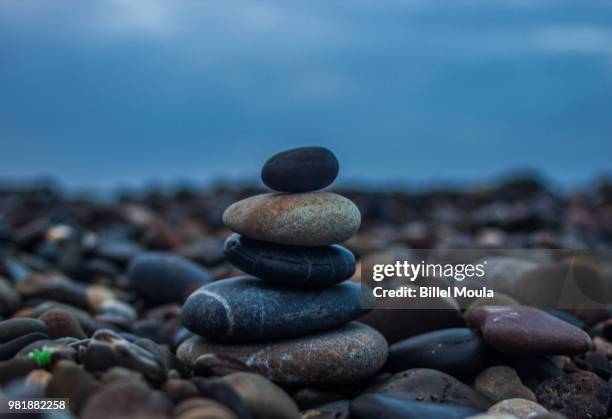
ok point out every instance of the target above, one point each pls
(249, 309)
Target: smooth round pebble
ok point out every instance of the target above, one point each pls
(427, 385)
(14, 328)
(247, 309)
(458, 351)
(580, 395)
(164, 277)
(62, 323)
(398, 324)
(71, 381)
(521, 408)
(500, 383)
(370, 406)
(290, 266)
(123, 399)
(336, 357)
(177, 390)
(523, 330)
(300, 169)
(305, 219)
(12, 347)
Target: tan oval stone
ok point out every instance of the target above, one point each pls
(336, 357)
(302, 219)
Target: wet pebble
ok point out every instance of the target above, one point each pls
(53, 287)
(300, 169)
(336, 357)
(88, 323)
(14, 328)
(164, 277)
(457, 351)
(290, 266)
(528, 331)
(62, 323)
(247, 308)
(431, 386)
(306, 219)
(107, 349)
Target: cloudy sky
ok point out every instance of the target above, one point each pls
(122, 92)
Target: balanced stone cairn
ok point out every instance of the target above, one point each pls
(292, 320)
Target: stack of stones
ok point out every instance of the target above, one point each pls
(293, 319)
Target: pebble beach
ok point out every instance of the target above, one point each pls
(245, 302)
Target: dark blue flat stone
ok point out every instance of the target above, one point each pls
(457, 351)
(290, 266)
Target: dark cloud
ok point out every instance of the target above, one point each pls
(108, 92)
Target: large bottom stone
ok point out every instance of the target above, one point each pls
(336, 357)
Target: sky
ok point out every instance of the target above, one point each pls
(111, 93)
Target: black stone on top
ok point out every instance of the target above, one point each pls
(300, 169)
(290, 266)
